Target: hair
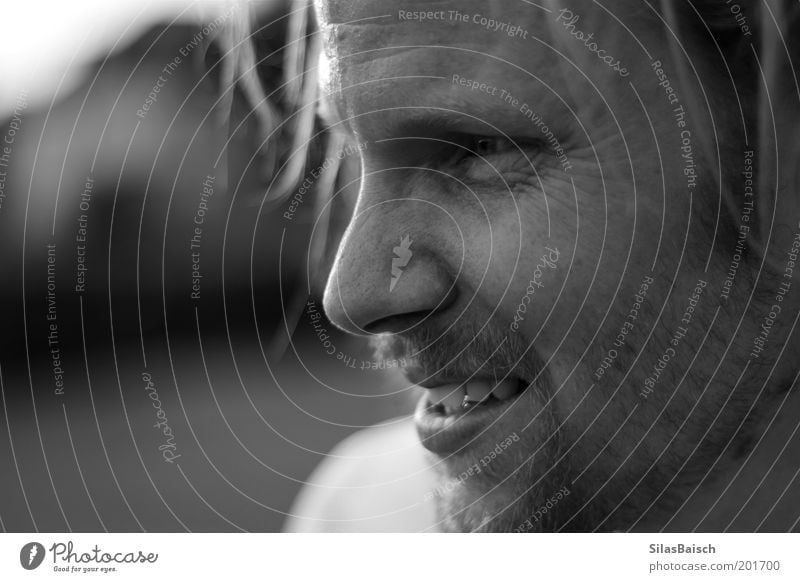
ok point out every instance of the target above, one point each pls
(269, 63)
(284, 105)
(759, 70)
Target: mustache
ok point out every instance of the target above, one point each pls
(461, 351)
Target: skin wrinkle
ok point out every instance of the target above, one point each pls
(640, 449)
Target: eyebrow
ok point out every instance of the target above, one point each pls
(450, 116)
(452, 113)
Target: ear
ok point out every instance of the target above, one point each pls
(757, 45)
(779, 112)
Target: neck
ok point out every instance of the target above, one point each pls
(755, 486)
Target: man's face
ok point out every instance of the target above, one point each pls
(533, 223)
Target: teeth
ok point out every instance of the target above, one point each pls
(479, 390)
(449, 395)
(505, 389)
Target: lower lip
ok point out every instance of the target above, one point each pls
(447, 435)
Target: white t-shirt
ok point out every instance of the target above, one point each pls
(376, 480)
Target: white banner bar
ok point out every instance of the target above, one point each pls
(401, 557)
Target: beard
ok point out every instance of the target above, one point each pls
(524, 486)
(591, 459)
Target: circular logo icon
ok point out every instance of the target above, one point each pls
(31, 555)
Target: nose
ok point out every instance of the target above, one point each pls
(390, 272)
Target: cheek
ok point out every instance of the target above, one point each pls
(548, 262)
(574, 249)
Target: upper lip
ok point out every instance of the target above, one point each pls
(420, 378)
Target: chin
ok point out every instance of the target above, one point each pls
(509, 494)
(505, 511)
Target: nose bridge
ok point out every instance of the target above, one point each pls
(387, 266)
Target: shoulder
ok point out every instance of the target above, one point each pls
(378, 479)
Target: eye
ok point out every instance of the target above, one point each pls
(500, 153)
(486, 146)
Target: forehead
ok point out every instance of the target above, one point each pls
(397, 58)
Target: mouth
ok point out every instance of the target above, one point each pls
(450, 417)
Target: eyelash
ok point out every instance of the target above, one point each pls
(487, 146)
(483, 145)
(475, 147)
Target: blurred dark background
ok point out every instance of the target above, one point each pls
(103, 346)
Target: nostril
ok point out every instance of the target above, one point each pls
(400, 317)
(360, 300)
